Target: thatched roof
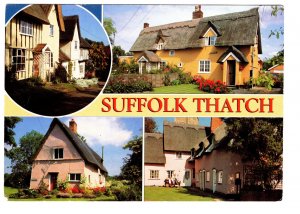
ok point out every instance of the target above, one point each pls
(63, 57)
(182, 137)
(150, 56)
(83, 149)
(236, 29)
(154, 148)
(41, 12)
(70, 23)
(84, 43)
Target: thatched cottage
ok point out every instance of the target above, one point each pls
(223, 47)
(64, 156)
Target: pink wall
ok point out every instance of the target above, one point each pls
(229, 163)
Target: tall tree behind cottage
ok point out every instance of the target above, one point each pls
(260, 142)
(9, 134)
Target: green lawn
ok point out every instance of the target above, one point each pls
(177, 89)
(9, 190)
(173, 194)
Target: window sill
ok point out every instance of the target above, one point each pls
(25, 34)
(75, 181)
(202, 72)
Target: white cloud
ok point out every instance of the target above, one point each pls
(102, 130)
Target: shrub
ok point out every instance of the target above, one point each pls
(210, 86)
(60, 74)
(128, 87)
(278, 80)
(62, 185)
(43, 188)
(128, 193)
(35, 81)
(155, 71)
(167, 80)
(175, 82)
(98, 191)
(264, 80)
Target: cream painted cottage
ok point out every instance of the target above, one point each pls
(64, 156)
(31, 41)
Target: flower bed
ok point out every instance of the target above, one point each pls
(217, 87)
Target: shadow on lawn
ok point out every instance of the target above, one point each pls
(197, 192)
(50, 101)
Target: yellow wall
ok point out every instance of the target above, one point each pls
(191, 57)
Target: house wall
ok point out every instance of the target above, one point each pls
(154, 182)
(52, 41)
(93, 176)
(191, 57)
(14, 39)
(75, 55)
(229, 163)
(44, 162)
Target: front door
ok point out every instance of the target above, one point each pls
(187, 180)
(214, 180)
(53, 180)
(231, 72)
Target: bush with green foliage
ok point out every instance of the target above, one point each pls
(278, 80)
(128, 87)
(264, 80)
(60, 75)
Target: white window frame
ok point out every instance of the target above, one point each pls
(205, 61)
(160, 46)
(26, 28)
(172, 53)
(180, 65)
(77, 177)
(212, 40)
(21, 55)
(220, 177)
(154, 174)
(58, 158)
(51, 30)
(207, 176)
(170, 173)
(179, 155)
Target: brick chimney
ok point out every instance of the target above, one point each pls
(215, 123)
(197, 14)
(146, 25)
(73, 126)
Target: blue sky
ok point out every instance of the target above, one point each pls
(89, 26)
(129, 20)
(203, 121)
(110, 132)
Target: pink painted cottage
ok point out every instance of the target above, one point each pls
(64, 156)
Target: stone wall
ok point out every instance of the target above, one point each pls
(157, 80)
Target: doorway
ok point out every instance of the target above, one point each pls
(53, 181)
(231, 72)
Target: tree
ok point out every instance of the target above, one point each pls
(150, 125)
(277, 59)
(99, 55)
(22, 158)
(9, 134)
(259, 141)
(117, 51)
(132, 168)
(110, 29)
(275, 11)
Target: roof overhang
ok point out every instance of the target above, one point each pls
(143, 59)
(235, 53)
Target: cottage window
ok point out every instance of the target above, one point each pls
(18, 59)
(154, 174)
(207, 176)
(180, 65)
(220, 177)
(160, 46)
(76, 45)
(81, 68)
(58, 153)
(204, 66)
(171, 53)
(163, 64)
(51, 33)
(178, 155)
(26, 28)
(170, 173)
(212, 40)
(74, 177)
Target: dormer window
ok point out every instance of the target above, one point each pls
(160, 46)
(210, 41)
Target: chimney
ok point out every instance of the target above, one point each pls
(197, 14)
(146, 25)
(73, 126)
(215, 123)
